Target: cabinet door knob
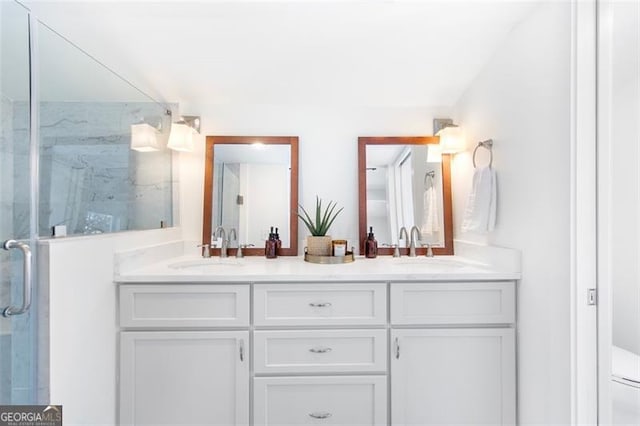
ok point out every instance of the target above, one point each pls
(241, 350)
(397, 347)
(320, 350)
(320, 305)
(320, 415)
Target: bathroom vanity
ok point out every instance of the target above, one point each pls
(376, 342)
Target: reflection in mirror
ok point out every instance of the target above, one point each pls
(251, 191)
(251, 186)
(404, 187)
(405, 182)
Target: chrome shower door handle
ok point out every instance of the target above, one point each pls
(26, 279)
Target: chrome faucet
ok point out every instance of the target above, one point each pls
(223, 235)
(412, 246)
(403, 230)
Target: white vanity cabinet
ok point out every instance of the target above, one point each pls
(453, 353)
(320, 354)
(180, 361)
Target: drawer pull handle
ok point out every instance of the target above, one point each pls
(320, 305)
(241, 350)
(320, 350)
(321, 415)
(397, 345)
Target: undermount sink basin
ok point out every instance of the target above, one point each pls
(430, 261)
(214, 262)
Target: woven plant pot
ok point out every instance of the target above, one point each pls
(319, 246)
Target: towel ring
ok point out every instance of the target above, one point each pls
(488, 144)
(430, 174)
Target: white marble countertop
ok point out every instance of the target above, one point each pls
(192, 269)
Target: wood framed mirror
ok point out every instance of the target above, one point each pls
(250, 185)
(402, 182)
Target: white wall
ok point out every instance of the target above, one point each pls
(83, 329)
(327, 151)
(522, 100)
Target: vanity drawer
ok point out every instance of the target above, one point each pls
(345, 400)
(319, 304)
(326, 351)
(184, 305)
(453, 303)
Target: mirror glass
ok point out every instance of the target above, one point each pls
(405, 182)
(252, 190)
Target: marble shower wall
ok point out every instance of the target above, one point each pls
(90, 180)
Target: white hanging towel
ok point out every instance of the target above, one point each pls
(480, 214)
(430, 223)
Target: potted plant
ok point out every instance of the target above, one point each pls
(319, 243)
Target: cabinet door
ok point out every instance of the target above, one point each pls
(184, 378)
(453, 376)
(331, 400)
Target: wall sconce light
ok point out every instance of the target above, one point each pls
(144, 137)
(181, 136)
(434, 153)
(451, 136)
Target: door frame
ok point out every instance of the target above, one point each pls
(583, 232)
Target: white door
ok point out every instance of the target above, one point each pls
(184, 378)
(619, 212)
(453, 376)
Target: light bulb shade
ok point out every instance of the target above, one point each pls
(144, 138)
(451, 140)
(181, 137)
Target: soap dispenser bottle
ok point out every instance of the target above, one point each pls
(371, 245)
(271, 246)
(278, 242)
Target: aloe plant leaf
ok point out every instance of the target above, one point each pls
(307, 220)
(324, 218)
(327, 213)
(318, 210)
(334, 218)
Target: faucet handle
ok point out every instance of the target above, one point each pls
(205, 250)
(396, 250)
(429, 252)
(239, 252)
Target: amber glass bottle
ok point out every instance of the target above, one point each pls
(271, 246)
(371, 245)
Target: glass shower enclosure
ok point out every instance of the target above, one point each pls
(18, 347)
(66, 160)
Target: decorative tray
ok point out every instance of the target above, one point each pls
(329, 260)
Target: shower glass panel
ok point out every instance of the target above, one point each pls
(90, 180)
(17, 342)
